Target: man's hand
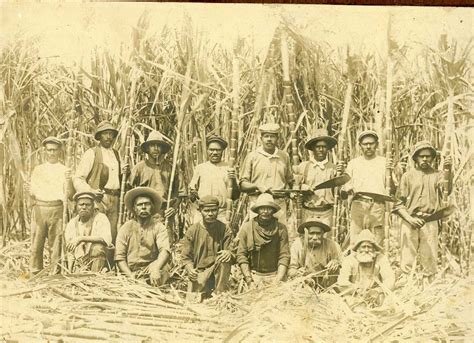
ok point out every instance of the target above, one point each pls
(155, 277)
(231, 173)
(223, 256)
(125, 169)
(169, 212)
(333, 265)
(340, 167)
(389, 164)
(71, 246)
(448, 162)
(192, 273)
(416, 223)
(263, 189)
(193, 195)
(99, 194)
(250, 283)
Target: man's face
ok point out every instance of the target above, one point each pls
(106, 138)
(214, 151)
(85, 209)
(315, 236)
(269, 141)
(154, 150)
(265, 212)
(368, 145)
(424, 158)
(143, 207)
(209, 214)
(365, 252)
(320, 150)
(52, 152)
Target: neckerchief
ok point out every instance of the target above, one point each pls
(321, 165)
(262, 236)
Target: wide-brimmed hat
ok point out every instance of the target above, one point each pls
(265, 199)
(366, 236)
(84, 195)
(208, 201)
(423, 145)
(366, 133)
(156, 137)
(320, 135)
(216, 139)
(104, 126)
(52, 140)
(311, 222)
(148, 192)
(269, 128)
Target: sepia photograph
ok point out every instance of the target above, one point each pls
(196, 172)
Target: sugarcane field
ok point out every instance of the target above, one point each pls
(236, 173)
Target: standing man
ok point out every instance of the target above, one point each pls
(365, 269)
(211, 177)
(206, 250)
(87, 235)
(267, 169)
(47, 186)
(99, 172)
(367, 173)
(155, 170)
(315, 171)
(419, 196)
(263, 253)
(316, 254)
(142, 248)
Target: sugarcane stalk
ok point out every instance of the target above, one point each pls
(341, 140)
(288, 97)
(388, 153)
(234, 131)
(128, 134)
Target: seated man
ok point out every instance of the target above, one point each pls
(366, 272)
(143, 249)
(87, 235)
(206, 250)
(263, 253)
(312, 253)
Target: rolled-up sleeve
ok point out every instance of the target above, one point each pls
(104, 229)
(284, 258)
(295, 252)
(344, 278)
(161, 238)
(187, 247)
(402, 194)
(246, 171)
(82, 171)
(121, 245)
(194, 183)
(242, 250)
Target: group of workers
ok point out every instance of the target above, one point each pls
(265, 249)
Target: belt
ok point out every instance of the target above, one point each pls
(54, 203)
(114, 192)
(319, 208)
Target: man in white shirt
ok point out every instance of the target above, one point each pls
(87, 234)
(47, 186)
(99, 172)
(367, 174)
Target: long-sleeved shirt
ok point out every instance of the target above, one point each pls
(85, 166)
(314, 173)
(269, 170)
(366, 175)
(211, 179)
(420, 191)
(201, 244)
(48, 181)
(353, 275)
(263, 258)
(140, 246)
(317, 258)
(97, 226)
(147, 174)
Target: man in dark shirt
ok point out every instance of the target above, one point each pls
(206, 250)
(263, 253)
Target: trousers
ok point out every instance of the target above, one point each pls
(365, 215)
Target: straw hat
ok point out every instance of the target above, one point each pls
(265, 199)
(423, 145)
(312, 222)
(320, 135)
(366, 133)
(51, 140)
(216, 139)
(104, 126)
(269, 128)
(148, 192)
(156, 137)
(366, 236)
(84, 195)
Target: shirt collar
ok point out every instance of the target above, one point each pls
(321, 164)
(266, 154)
